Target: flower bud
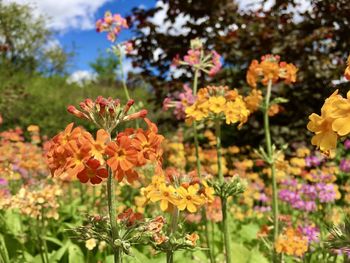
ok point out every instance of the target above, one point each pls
(73, 110)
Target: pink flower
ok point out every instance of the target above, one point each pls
(216, 63)
(112, 24)
(128, 47)
(192, 57)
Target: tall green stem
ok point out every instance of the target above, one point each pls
(173, 227)
(271, 164)
(227, 239)
(121, 68)
(112, 213)
(198, 163)
(195, 133)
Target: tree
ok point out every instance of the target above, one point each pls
(314, 39)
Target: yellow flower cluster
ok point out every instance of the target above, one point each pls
(218, 102)
(35, 203)
(187, 196)
(334, 121)
(270, 69)
(292, 243)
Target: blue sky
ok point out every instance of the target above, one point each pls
(88, 42)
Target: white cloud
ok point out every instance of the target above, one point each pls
(128, 67)
(82, 78)
(176, 28)
(66, 14)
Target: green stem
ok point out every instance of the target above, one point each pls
(196, 145)
(210, 252)
(198, 162)
(112, 213)
(271, 164)
(227, 239)
(121, 68)
(173, 227)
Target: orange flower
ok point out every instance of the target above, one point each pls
(79, 156)
(270, 69)
(93, 172)
(129, 217)
(123, 158)
(192, 239)
(98, 146)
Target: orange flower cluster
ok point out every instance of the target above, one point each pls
(134, 148)
(292, 243)
(75, 153)
(270, 69)
(20, 158)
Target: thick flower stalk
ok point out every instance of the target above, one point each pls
(78, 154)
(270, 71)
(208, 62)
(113, 24)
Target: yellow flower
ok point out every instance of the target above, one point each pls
(165, 194)
(189, 198)
(198, 111)
(292, 243)
(217, 104)
(325, 137)
(90, 244)
(303, 152)
(341, 114)
(236, 111)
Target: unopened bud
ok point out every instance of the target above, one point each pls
(73, 110)
(128, 105)
(136, 115)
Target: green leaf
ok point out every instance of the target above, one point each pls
(240, 252)
(249, 232)
(13, 222)
(57, 255)
(257, 257)
(54, 240)
(3, 251)
(75, 254)
(278, 100)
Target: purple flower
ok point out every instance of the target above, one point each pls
(312, 160)
(345, 165)
(311, 232)
(3, 182)
(347, 144)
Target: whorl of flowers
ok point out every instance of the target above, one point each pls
(112, 24)
(106, 113)
(333, 122)
(186, 192)
(199, 59)
(179, 101)
(76, 153)
(218, 102)
(270, 69)
(292, 242)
